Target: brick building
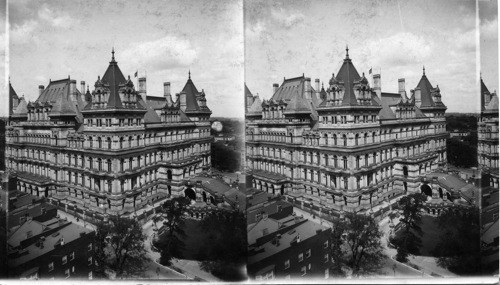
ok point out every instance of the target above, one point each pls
(52, 249)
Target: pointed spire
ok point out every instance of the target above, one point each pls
(189, 74)
(346, 51)
(113, 54)
(423, 69)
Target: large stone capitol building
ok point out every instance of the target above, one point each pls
(112, 150)
(348, 147)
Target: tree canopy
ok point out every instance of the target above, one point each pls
(355, 242)
(170, 241)
(119, 247)
(459, 246)
(226, 250)
(410, 239)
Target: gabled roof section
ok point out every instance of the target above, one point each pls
(493, 105)
(53, 91)
(256, 107)
(484, 92)
(191, 94)
(22, 107)
(151, 116)
(348, 74)
(114, 77)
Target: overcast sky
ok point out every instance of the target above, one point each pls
(288, 38)
(488, 15)
(163, 39)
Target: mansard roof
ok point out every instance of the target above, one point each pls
(12, 92)
(114, 78)
(62, 106)
(256, 107)
(292, 93)
(493, 104)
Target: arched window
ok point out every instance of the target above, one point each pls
(109, 165)
(344, 159)
(109, 142)
(99, 164)
(91, 142)
(122, 162)
(365, 139)
(335, 162)
(357, 161)
(356, 139)
(326, 139)
(373, 137)
(121, 142)
(344, 138)
(130, 163)
(99, 142)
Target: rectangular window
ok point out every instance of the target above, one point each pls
(72, 256)
(301, 257)
(90, 261)
(90, 275)
(89, 246)
(66, 272)
(308, 253)
(51, 266)
(325, 245)
(303, 270)
(287, 264)
(64, 259)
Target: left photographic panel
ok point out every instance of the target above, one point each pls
(122, 140)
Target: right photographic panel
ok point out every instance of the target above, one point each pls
(371, 139)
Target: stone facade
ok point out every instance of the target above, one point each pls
(487, 135)
(112, 150)
(349, 147)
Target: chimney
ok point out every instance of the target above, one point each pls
(182, 101)
(142, 86)
(82, 87)
(402, 88)
(418, 97)
(316, 81)
(166, 92)
(376, 84)
(40, 89)
(401, 85)
(307, 88)
(72, 90)
(275, 87)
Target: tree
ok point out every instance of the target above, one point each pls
(225, 254)
(459, 246)
(170, 241)
(360, 235)
(410, 239)
(119, 247)
(156, 218)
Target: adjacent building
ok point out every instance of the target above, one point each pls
(488, 166)
(110, 150)
(54, 248)
(348, 146)
(287, 247)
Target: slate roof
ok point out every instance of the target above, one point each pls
(114, 77)
(348, 74)
(191, 94)
(425, 91)
(484, 92)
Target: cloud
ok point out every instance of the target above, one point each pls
(55, 20)
(165, 53)
(400, 49)
(287, 20)
(24, 33)
(489, 29)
